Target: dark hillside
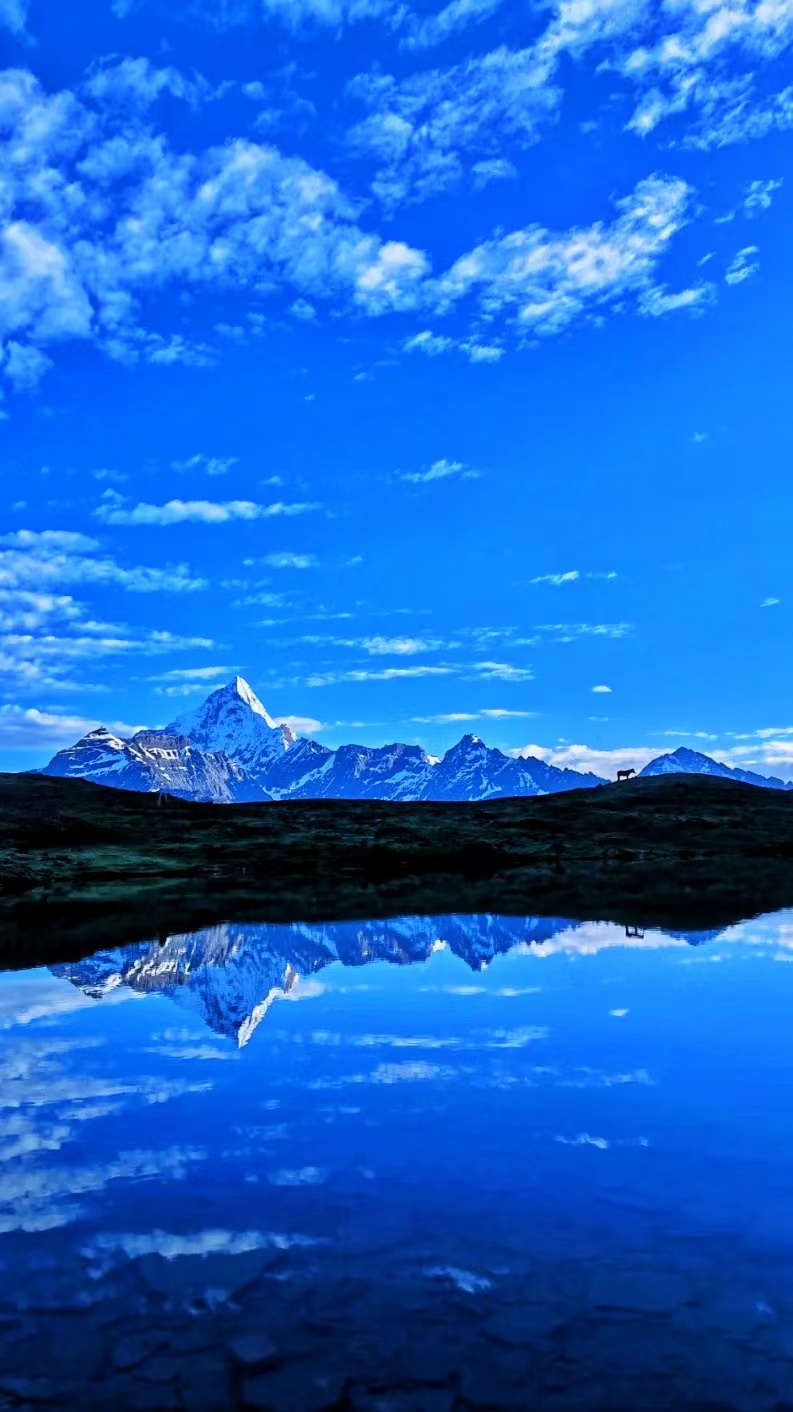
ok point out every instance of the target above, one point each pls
(76, 858)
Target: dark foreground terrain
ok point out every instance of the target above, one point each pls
(83, 865)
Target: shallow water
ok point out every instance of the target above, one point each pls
(434, 1163)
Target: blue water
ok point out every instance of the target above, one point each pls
(435, 1163)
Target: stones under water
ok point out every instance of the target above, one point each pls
(435, 1163)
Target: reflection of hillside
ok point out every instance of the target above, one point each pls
(230, 975)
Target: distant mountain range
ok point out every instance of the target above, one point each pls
(229, 750)
(229, 976)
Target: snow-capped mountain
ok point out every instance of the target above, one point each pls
(155, 761)
(232, 721)
(692, 762)
(473, 770)
(229, 749)
(312, 771)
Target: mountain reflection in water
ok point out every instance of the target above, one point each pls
(430, 1163)
(230, 975)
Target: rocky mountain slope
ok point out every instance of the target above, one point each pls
(229, 749)
(155, 761)
(692, 762)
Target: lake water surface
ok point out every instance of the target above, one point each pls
(432, 1163)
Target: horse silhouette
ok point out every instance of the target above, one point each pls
(624, 774)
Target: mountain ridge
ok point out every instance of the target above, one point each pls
(229, 749)
(230, 744)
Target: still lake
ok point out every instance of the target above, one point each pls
(429, 1163)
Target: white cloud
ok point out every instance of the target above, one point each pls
(758, 195)
(210, 465)
(571, 632)
(569, 577)
(301, 309)
(23, 366)
(768, 754)
(585, 758)
(456, 717)
(421, 128)
(492, 169)
(601, 690)
(296, 15)
(441, 470)
(433, 344)
(428, 343)
(450, 718)
(101, 215)
(502, 671)
(49, 539)
(399, 646)
(691, 63)
(657, 301)
(30, 729)
(301, 725)
(455, 16)
(193, 674)
(481, 352)
(115, 511)
(290, 561)
(382, 674)
(770, 602)
(40, 561)
(139, 83)
(543, 282)
(497, 713)
(46, 634)
(743, 265)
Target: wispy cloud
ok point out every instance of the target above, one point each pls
(115, 511)
(27, 728)
(399, 646)
(570, 632)
(759, 195)
(743, 265)
(441, 470)
(210, 465)
(192, 674)
(458, 717)
(502, 671)
(291, 561)
(605, 763)
(569, 577)
(364, 674)
(572, 576)
(301, 725)
(432, 345)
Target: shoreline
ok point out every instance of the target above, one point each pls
(79, 861)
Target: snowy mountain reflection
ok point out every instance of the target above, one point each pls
(231, 975)
(434, 1163)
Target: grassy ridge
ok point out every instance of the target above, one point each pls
(81, 865)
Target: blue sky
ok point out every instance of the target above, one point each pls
(427, 366)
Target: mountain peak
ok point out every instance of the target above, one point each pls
(232, 721)
(240, 690)
(685, 754)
